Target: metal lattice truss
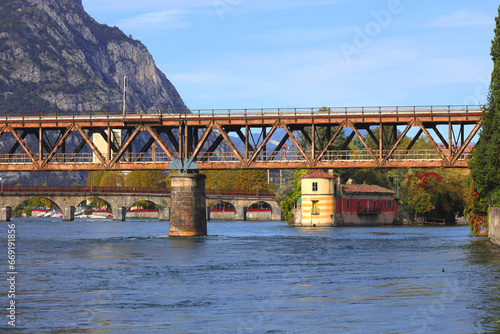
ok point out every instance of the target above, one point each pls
(242, 139)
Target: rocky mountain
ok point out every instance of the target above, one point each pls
(54, 56)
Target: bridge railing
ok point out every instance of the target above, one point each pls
(242, 113)
(124, 190)
(353, 155)
(252, 193)
(224, 157)
(81, 190)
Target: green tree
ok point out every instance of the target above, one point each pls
(220, 179)
(476, 209)
(250, 180)
(450, 196)
(112, 179)
(419, 192)
(94, 178)
(145, 179)
(288, 204)
(485, 164)
(244, 180)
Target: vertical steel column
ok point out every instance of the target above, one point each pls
(108, 151)
(181, 151)
(450, 140)
(40, 145)
(313, 141)
(381, 142)
(247, 132)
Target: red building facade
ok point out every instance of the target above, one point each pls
(361, 204)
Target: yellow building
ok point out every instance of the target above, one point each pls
(318, 199)
(103, 146)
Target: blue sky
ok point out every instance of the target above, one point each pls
(299, 53)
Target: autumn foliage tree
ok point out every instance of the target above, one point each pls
(244, 180)
(419, 199)
(145, 179)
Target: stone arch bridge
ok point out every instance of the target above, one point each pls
(120, 199)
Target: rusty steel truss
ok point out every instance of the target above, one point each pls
(375, 137)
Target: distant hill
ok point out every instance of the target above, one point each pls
(54, 56)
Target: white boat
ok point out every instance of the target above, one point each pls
(57, 215)
(96, 217)
(49, 214)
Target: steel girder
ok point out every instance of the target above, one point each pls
(272, 139)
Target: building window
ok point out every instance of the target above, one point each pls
(387, 204)
(348, 204)
(315, 208)
(368, 204)
(315, 186)
(359, 204)
(374, 204)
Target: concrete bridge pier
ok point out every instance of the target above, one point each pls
(68, 214)
(164, 214)
(241, 213)
(5, 213)
(119, 213)
(188, 216)
(276, 213)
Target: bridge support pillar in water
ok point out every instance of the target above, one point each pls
(188, 217)
(5, 213)
(164, 214)
(68, 214)
(241, 214)
(276, 214)
(119, 213)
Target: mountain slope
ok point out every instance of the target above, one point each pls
(54, 56)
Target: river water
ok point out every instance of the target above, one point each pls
(249, 277)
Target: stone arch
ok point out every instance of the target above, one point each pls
(15, 203)
(223, 210)
(260, 210)
(151, 212)
(103, 204)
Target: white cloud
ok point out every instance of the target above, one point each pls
(463, 18)
(168, 19)
(143, 5)
(154, 5)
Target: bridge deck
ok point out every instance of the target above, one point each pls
(238, 139)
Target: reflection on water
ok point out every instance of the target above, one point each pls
(255, 277)
(483, 254)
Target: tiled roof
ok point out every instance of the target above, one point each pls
(365, 189)
(318, 174)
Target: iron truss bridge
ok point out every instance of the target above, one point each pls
(364, 137)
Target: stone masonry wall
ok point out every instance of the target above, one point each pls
(494, 229)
